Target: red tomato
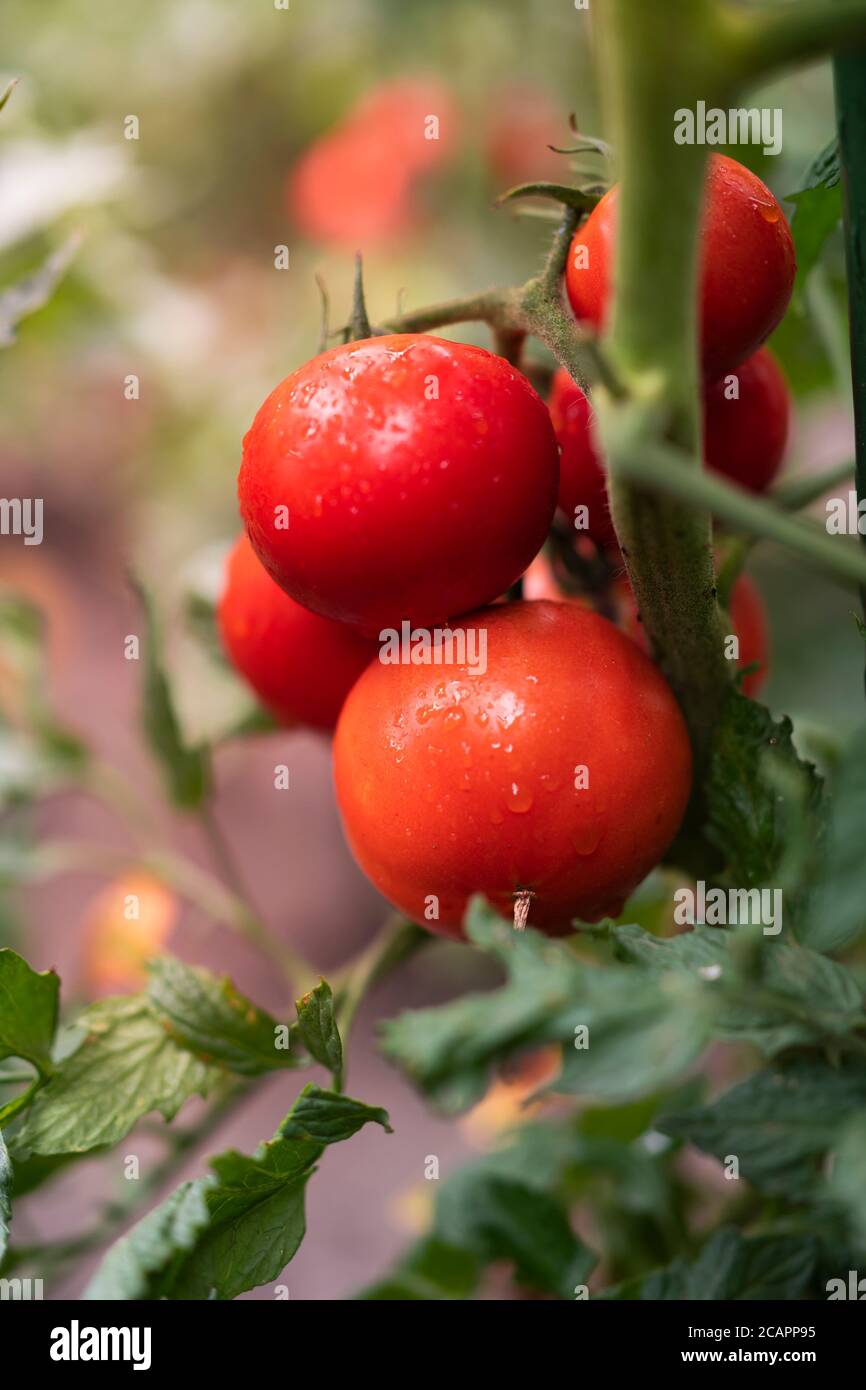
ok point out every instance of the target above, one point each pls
(301, 666)
(748, 264)
(349, 190)
(452, 782)
(412, 118)
(419, 475)
(745, 437)
(582, 479)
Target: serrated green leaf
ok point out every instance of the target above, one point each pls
(778, 1124)
(186, 769)
(318, 1028)
(730, 1268)
(255, 1212)
(758, 794)
(798, 997)
(212, 1019)
(153, 1246)
(431, 1271)
(126, 1067)
(28, 1011)
(836, 913)
(640, 1034)
(5, 1198)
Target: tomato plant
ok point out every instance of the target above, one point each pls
(547, 744)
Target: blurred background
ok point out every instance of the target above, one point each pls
(253, 129)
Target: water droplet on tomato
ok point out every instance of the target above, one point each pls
(519, 799)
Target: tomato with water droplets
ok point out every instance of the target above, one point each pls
(566, 774)
(748, 264)
(400, 477)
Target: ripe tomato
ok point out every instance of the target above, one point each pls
(452, 782)
(400, 114)
(745, 437)
(523, 123)
(419, 475)
(748, 264)
(301, 666)
(582, 479)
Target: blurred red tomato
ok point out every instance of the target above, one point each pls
(127, 923)
(353, 186)
(522, 124)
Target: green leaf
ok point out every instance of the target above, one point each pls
(640, 1034)
(836, 914)
(779, 1123)
(848, 1177)
(153, 1245)
(126, 1067)
(35, 290)
(28, 1011)
(762, 801)
(818, 210)
(255, 1213)
(500, 1219)
(5, 1198)
(778, 996)
(730, 1268)
(318, 1028)
(211, 1018)
(431, 1271)
(186, 769)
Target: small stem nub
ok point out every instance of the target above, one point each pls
(360, 324)
(522, 899)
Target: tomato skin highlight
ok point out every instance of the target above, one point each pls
(451, 783)
(748, 264)
(301, 666)
(745, 438)
(420, 478)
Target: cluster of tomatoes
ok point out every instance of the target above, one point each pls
(402, 485)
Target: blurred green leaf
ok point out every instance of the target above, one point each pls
(126, 1067)
(836, 914)
(254, 1213)
(779, 1123)
(497, 1218)
(818, 210)
(640, 1033)
(212, 1019)
(848, 1176)
(430, 1271)
(318, 1028)
(28, 1011)
(187, 770)
(31, 293)
(802, 997)
(730, 1267)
